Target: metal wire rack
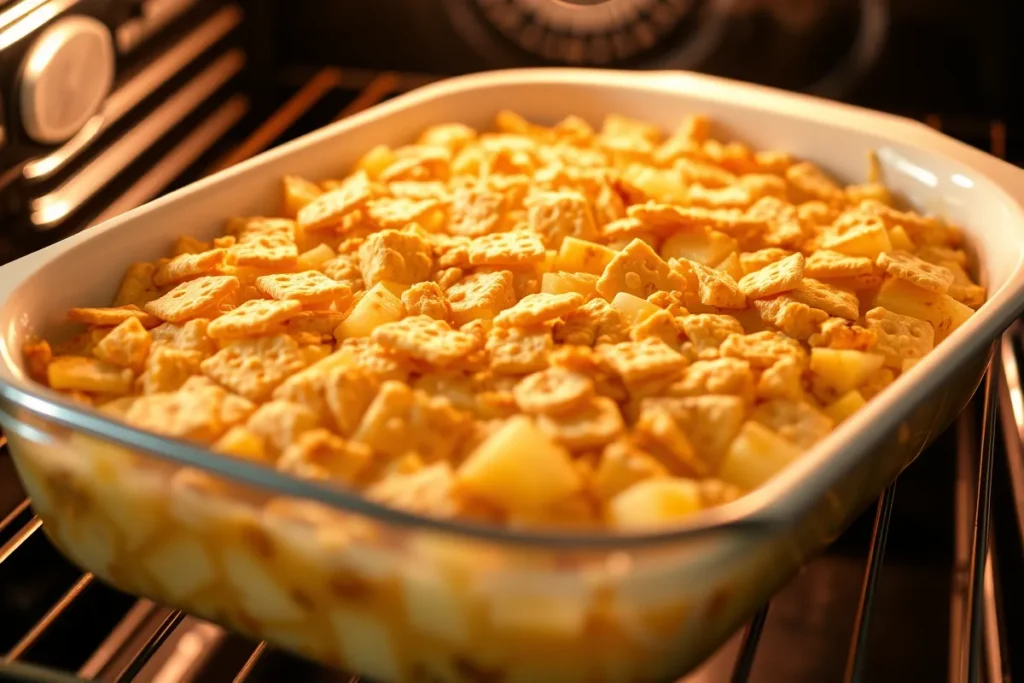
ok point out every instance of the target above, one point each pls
(136, 640)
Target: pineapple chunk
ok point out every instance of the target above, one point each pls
(396, 288)
(634, 310)
(365, 643)
(708, 247)
(621, 467)
(426, 594)
(567, 283)
(580, 256)
(243, 443)
(315, 257)
(755, 456)
(869, 241)
(180, 565)
(654, 502)
(297, 193)
(548, 265)
(375, 161)
(519, 467)
(941, 310)
(845, 406)
(377, 307)
(537, 604)
(76, 373)
(844, 369)
(659, 184)
(254, 584)
(900, 239)
(731, 264)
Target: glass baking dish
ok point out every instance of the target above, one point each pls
(394, 596)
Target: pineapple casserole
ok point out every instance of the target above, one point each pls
(543, 327)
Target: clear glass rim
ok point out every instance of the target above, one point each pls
(745, 515)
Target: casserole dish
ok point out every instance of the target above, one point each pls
(395, 596)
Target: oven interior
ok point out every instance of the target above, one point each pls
(921, 587)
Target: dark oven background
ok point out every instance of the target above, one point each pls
(917, 56)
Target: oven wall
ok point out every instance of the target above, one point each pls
(940, 55)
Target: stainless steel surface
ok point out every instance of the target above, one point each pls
(993, 628)
(17, 11)
(856, 661)
(26, 23)
(50, 209)
(1013, 416)
(179, 158)
(65, 77)
(598, 32)
(139, 87)
(155, 15)
(973, 651)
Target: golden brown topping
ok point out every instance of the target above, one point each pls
(576, 325)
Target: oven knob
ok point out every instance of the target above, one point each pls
(65, 77)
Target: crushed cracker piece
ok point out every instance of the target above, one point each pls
(137, 287)
(111, 317)
(509, 249)
(401, 420)
(481, 296)
(266, 243)
(167, 369)
(718, 376)
(642, 361)
(793, 317)
(594, 424)
(825, 264)
(126, 346)
(197, 298)
(330, 208)
(761, 349)
(796, 421)
(828, 298)
(775, 278)
(518, 350)
(638, 270)
(707, 331)
(393, 256)
(188, 266)
(916, 271)
(254, 367)
(427, 298)
(423, 338)
(752, 261)
(535, 309)
(253, 318)
(553, 216)
(309, 288)
(717, 288)
(899, 337)
(555, 390)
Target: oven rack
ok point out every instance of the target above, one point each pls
(147, 642)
